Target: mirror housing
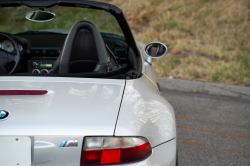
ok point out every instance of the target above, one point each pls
(40, 16)
(155, 50)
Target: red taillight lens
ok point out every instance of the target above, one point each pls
(111, 156)
(23, 92)
(114, 150)
(91, 157)
(136, 153)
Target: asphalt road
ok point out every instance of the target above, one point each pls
(211, 130)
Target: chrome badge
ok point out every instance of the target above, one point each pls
(4, 115)
(69, 143)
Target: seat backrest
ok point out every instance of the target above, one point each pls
(84, 57)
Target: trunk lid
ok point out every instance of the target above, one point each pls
(72, 106)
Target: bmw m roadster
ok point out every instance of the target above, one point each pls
(76, 89)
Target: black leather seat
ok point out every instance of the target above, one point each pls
(84, 56)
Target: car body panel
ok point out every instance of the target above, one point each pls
(164, 154)
(73, 106)
(147, 68)
(57, 156)
(145, 113)
(79, 107)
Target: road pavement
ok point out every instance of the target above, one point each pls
(211, 130)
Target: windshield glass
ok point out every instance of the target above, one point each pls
(12, 20)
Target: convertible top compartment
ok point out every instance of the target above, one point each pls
(79, 106)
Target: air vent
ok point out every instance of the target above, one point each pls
(44, 52)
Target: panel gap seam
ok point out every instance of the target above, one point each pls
(120, 107)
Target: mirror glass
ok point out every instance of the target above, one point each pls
(155, 50)
(40, 16)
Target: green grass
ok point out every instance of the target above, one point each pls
(208, 40)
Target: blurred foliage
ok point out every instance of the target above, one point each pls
(13, 19)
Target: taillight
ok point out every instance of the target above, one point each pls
(23, 92)
(114, 150)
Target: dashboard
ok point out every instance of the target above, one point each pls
(40, 51)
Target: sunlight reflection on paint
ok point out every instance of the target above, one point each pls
(145, 113)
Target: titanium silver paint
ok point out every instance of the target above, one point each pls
(143, 112)
(72, 106)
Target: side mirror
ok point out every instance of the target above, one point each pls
(40, 16)
(155, 50)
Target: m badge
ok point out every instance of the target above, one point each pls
(69, 143)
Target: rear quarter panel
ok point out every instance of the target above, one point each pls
(144, 112)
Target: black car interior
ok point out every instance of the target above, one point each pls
(102, 54)
(83, 52)
(84, 57)
(74, 54)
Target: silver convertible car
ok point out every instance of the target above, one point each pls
(76, 89)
